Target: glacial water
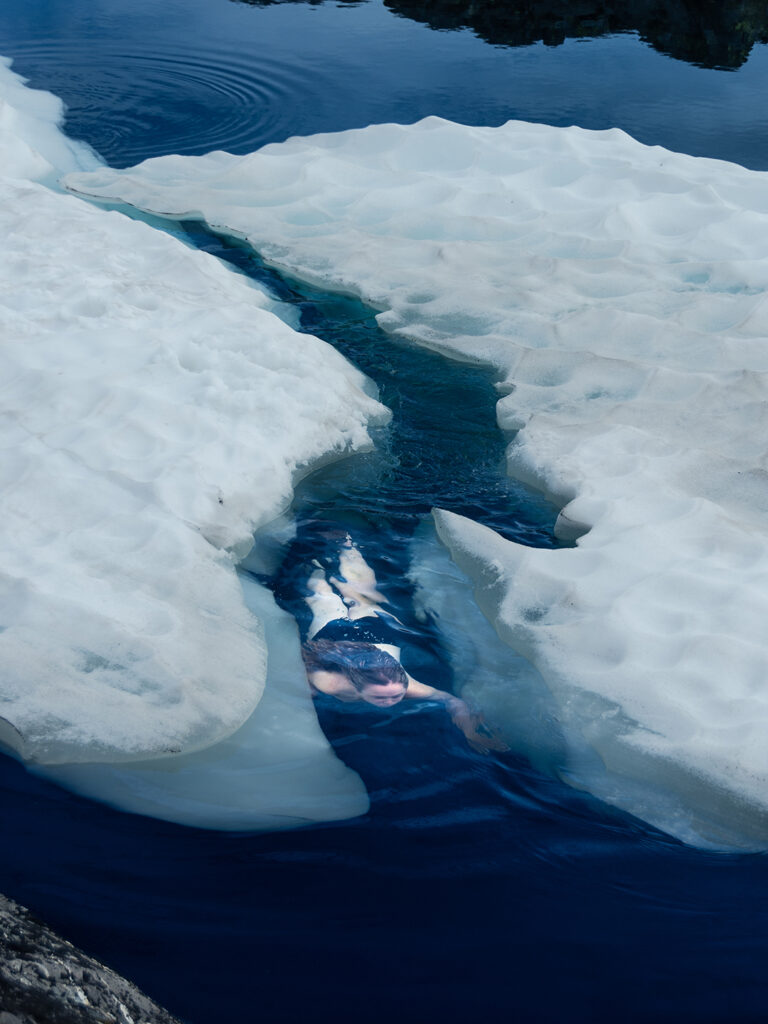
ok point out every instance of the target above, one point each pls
(476, 885)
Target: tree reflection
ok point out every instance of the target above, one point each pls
(311, 3)
(708, 34)
(702, 32)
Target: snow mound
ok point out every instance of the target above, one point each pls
(155, 413)
(277, 771)
(31, 146)
(487, 672)
(621, 291)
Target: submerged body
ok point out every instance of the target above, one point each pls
(353, 651)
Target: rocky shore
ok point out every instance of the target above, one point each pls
(46, 980)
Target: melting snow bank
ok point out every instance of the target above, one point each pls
(31, 145)
(621, 291)
(155, 413)
(277, 771)
(675, 741)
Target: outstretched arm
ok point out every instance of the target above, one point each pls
(479, 735)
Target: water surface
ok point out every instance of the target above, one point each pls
(188, 76)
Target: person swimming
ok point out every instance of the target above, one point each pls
(352, 651)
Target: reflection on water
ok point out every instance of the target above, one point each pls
(310, 3)
(196, 75)
(707, 35)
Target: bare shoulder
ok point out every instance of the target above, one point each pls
(334, 684)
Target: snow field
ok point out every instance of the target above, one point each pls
(621, 292)
(155, 412)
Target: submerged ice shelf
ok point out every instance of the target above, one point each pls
(156, 412)
(276, 771)
(621, 292)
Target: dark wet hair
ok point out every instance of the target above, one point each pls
(362, 663)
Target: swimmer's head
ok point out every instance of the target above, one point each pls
(384, 695)
(379, 678)
(383, 684)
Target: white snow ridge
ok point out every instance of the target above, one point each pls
(621, 292)
(155, 413)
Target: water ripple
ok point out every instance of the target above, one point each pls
(164, 101)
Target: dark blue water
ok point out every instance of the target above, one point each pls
(187, 76)
(475, 886)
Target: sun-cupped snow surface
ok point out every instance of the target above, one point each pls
(621, 291)
(155, 412)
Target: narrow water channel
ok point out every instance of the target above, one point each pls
(442, 448)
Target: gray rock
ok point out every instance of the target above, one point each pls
(46, 980)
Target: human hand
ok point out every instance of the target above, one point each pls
(480, 736)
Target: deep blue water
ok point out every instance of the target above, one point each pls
(476, 886)
(187, 76)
